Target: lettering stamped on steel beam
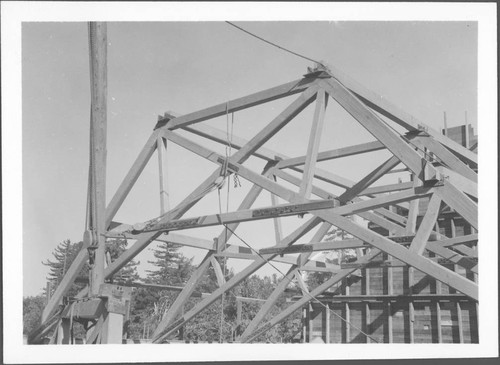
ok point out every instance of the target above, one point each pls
(181, 223)
(292, 209)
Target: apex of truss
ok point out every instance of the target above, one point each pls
(320, 69)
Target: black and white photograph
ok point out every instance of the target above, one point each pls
(249, 181)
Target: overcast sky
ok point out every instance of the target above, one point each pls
(425, 68)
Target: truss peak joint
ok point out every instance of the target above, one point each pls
(163, 120)
(318, 71)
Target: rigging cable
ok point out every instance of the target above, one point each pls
(237, 182)
(223, 272)
(275, 45)
(92, 214)
(228, 151)
(155, 224)
(89, 224)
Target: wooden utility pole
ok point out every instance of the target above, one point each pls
(113, 319)
(98, 121)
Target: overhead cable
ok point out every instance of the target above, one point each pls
(275, 45)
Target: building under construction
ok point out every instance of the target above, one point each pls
(393, 302)
(411, 272)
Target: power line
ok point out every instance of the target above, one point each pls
(275, 45)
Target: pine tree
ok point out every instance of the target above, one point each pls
(148, 305)
(66, 252)
(173, 268)
(128, 273)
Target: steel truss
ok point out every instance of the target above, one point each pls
(446, 174)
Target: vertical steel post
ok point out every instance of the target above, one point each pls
(162, 169)
(445, 130)
(466, 132)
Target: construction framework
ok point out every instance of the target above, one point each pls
(442, 171)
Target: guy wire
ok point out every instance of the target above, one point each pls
(275, 45)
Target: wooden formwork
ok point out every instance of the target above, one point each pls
(389, 321)
(443, 171)
(398, 304)
(405, 306)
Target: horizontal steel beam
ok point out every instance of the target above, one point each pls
(242, 216)
(328, 245)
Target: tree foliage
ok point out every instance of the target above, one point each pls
(147, 306)
(128, 273)
(316, 278)
(172, 268)
(65, 253)
(207, 325)
(63, 256)
(32, 312)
